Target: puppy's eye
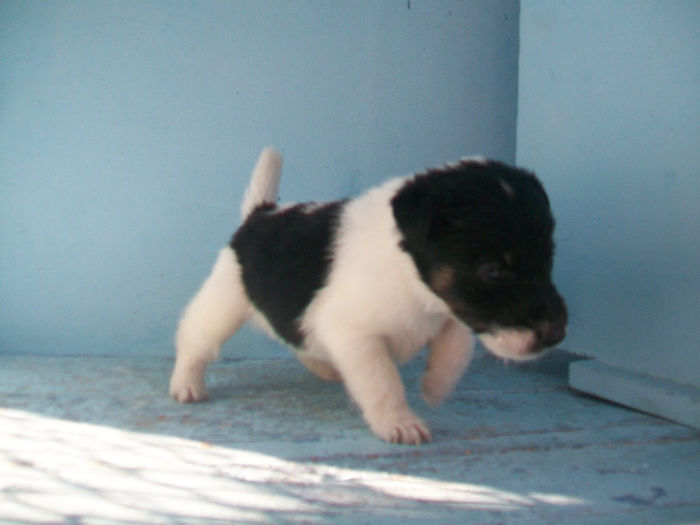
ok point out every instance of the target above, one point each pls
(492, 272)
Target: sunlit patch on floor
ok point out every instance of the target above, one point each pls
(54, 468)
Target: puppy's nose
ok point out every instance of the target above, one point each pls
(552, 329)
(551, 333)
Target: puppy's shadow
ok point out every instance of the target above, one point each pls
(277, 385)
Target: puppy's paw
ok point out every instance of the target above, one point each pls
(405, 428)
(187, 387)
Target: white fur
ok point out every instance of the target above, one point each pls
(218, 309)
(450, 353)
(510, 343)
(373, 313)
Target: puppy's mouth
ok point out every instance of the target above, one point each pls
(523, 344)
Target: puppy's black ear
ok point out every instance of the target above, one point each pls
(417, 212)
(409, 206)
(425, 205)
(411, 211)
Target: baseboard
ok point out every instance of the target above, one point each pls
(675, 401)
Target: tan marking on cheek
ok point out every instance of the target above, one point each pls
(442, 279)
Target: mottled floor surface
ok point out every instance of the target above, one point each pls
(96, 440)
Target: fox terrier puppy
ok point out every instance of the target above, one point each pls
(359, 286)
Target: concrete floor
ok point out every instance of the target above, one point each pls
(96, 440)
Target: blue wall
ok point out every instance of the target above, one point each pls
(609, 115)
(128, 129)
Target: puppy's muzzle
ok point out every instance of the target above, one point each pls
(545, 328)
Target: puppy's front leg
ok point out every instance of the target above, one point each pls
(450, 354)
(374, 383)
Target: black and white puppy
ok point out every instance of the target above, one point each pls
(358, 286)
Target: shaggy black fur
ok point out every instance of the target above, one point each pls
(480, 235)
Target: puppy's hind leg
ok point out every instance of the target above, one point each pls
(218, 309)
(450, 354)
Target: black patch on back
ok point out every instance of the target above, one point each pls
(285, 257)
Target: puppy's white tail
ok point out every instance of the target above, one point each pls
(264, 183)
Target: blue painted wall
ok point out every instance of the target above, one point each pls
(128, 129)
(609, 115)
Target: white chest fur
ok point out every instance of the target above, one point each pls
(373, 288)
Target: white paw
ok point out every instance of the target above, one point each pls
(405, 428)
(187, 387)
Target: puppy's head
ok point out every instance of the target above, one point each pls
(480, 234)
